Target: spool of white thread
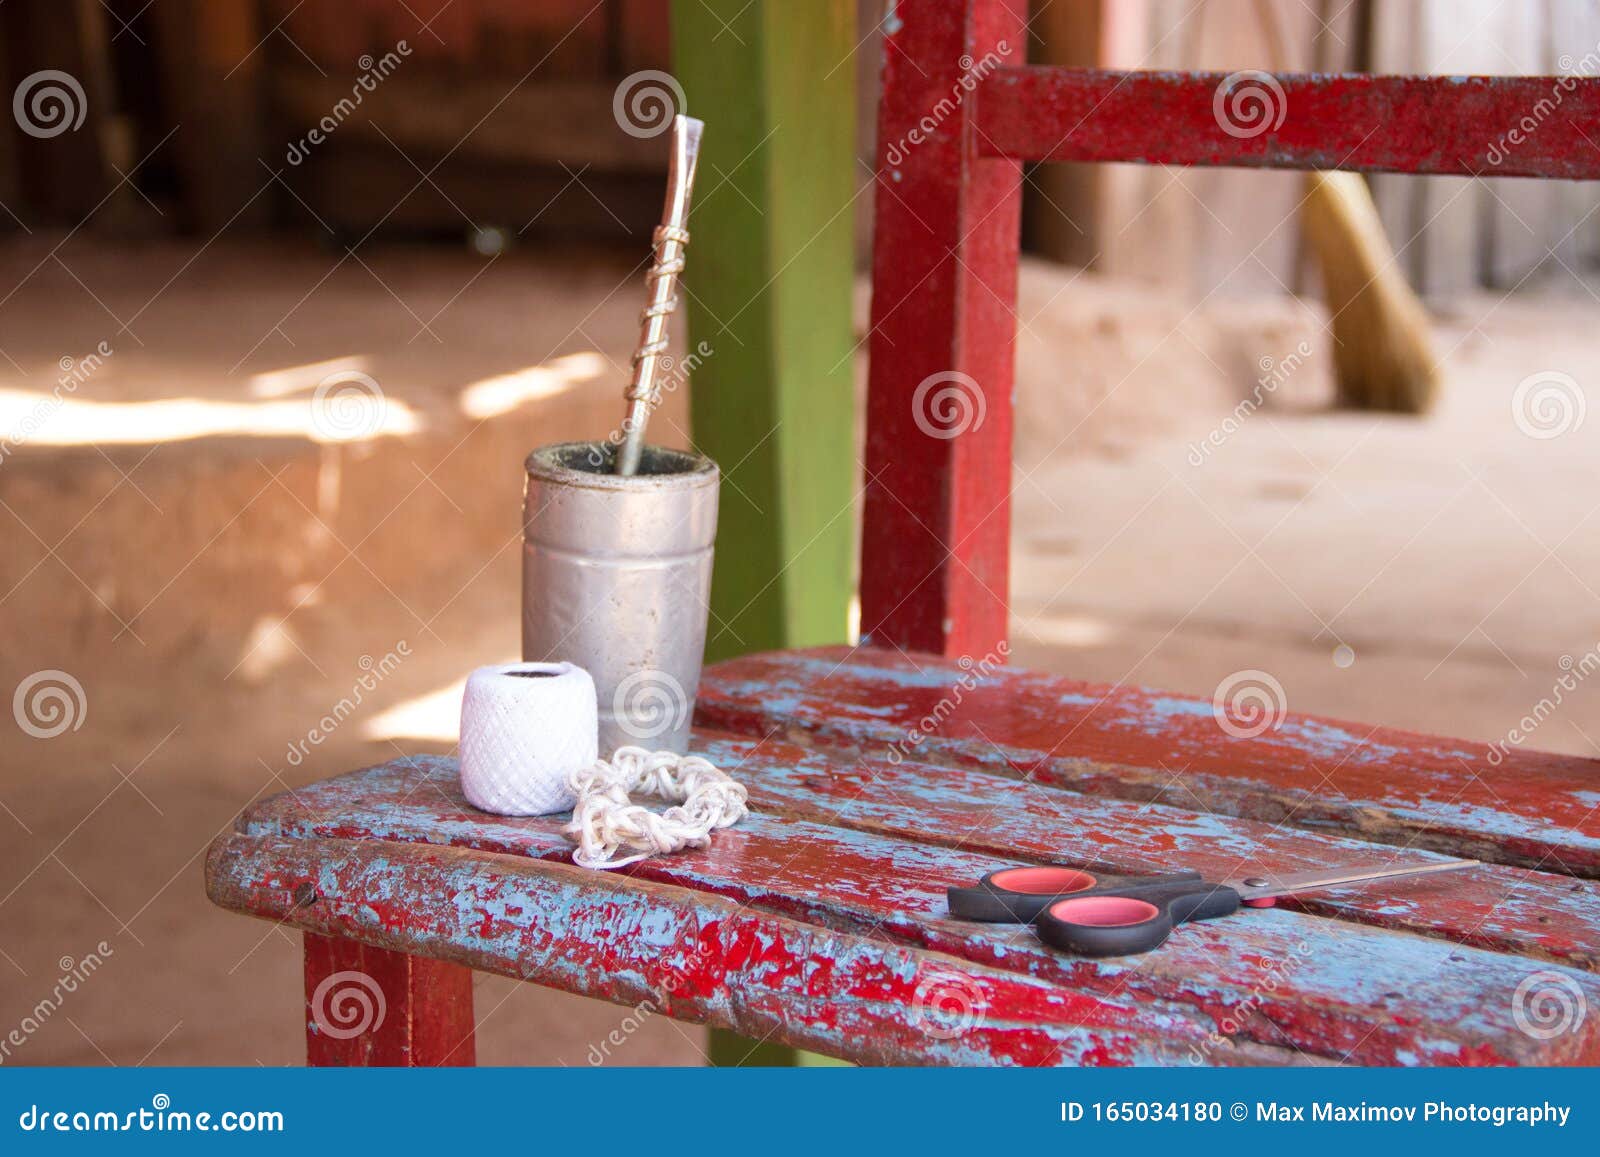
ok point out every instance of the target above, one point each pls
(525, 728)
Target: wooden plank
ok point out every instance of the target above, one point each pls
(1512, 240)
(936, 516)
(1510, 806)
(768, 289)
(1499, 908)
(1408, 124)
(213, 73)
(1447, 232)
(1063, 204)
(356, 186)
(369, 1006)
(641, 35)
(11, 207)
(336, 36)
(1389, 40)
(1570, 229)
(430, 115)
(688, 955)
(61, 162)
(509, 38)
(1503, 909)
(1323, 987)
(1146, 225)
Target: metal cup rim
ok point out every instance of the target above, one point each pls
(546, 464)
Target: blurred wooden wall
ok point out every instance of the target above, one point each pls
(499, 108)
(488, 115)
(1498, 231)
(511, 100)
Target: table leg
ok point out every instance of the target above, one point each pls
(371, 1006)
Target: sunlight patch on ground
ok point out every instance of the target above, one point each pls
(1064, 630)
(305, 378)
(490, 397)
(31, 418)
(435, 715)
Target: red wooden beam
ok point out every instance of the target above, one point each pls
(938, 457)
(370, 1006)
(1508, 126)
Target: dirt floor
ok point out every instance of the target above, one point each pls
(215, 560)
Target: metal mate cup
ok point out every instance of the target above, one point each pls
(616, 577)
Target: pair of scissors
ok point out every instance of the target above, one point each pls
(1106, 915)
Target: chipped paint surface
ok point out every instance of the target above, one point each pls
(892, 24)
(1373, 783)
(428, 1007)
(936, 510)
(1501, 908)
(820, 919)
(694, 956)
(846, 857)
(1431, 124)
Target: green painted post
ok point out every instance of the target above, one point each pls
(768, 287)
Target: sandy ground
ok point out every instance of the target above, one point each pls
(1436, 574)
(214, 593)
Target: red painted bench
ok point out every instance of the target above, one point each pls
(879, 775)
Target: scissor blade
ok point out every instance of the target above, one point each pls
(1265, 885)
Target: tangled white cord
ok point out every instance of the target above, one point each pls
(605, 819)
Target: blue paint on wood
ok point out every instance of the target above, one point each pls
(893, 888)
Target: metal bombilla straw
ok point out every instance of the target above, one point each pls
(619, 536)
(670, 239)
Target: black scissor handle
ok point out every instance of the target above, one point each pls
(1129, 920)
(1017, 895)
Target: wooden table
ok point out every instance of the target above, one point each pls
(820, 921)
